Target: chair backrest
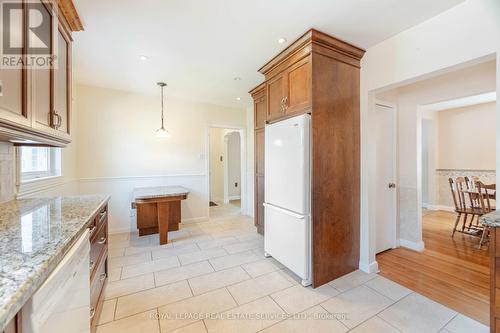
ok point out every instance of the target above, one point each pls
(486, 194)
(454, 193)
(462, 192)
(471, 186)
(471, 182)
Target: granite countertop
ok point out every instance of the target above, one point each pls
(142, 193)
(35, 234)
(491, 219)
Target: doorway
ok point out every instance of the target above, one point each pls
(446, 128)
(225, 171)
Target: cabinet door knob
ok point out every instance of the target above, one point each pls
(102, 277)
(102, 240)
(92, 312)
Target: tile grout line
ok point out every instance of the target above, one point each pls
(340, 321)
(449, 321)
(388, 323)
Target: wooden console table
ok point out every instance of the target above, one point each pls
(158, 209)
(492, 221)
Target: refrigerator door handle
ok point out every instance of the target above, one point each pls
(284, 211)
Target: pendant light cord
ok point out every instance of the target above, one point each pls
(162, 124)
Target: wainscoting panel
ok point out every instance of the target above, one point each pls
(122, 217)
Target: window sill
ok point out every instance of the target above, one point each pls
(33, 186)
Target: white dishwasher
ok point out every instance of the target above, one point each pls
(62, 303)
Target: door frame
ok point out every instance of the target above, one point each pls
(228, 198)
(395, 171)
(243, 168)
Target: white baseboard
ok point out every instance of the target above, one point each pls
(120, 231)
(371, 267)
(415, 246)
(235, 197)
(438, 207)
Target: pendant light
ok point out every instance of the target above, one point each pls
(162, 132)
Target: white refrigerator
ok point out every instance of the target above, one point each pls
(287, 201)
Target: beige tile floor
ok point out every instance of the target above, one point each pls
(213, 277)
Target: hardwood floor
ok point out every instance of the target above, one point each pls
(451, 271)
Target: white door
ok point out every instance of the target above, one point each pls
(385, 217)
(287, 164)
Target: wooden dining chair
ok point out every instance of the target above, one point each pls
(458, 201)
(486, 194)
(474, 199)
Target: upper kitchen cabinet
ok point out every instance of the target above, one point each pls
(50, 87)
(13, 81)
(259, 106)
(289, 87)
(35, 104)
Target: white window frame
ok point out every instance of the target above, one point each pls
(41, 180)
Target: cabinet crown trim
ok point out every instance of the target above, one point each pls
(318, 38)
(68, 10)
(257, 90)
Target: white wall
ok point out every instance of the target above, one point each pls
(466, 138)
(463, 34)
(216, 165)
(461, 142)
(117, 149)
(429, 157)
(233, 164)
(250, 161)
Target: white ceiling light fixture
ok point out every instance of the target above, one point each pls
(162, 132)
(282, 40)
(238, 98)
(144, 57)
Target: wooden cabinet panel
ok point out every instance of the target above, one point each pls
(259, 204)
(96, 292)
(61, 83)
(97, 244)
(276, 92)
(42, 78)
(13, 80)
(260, 109)
(259, 152)
(299, 87)
(497, 241)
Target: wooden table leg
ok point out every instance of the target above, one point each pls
(163, 217)
(175, 215)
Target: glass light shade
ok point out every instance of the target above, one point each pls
(162, 133)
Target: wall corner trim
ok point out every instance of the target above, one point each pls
(369, 268)
(415, 246)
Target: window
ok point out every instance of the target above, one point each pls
(37, 163)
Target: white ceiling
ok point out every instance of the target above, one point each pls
(199, 46)
(461, 102)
